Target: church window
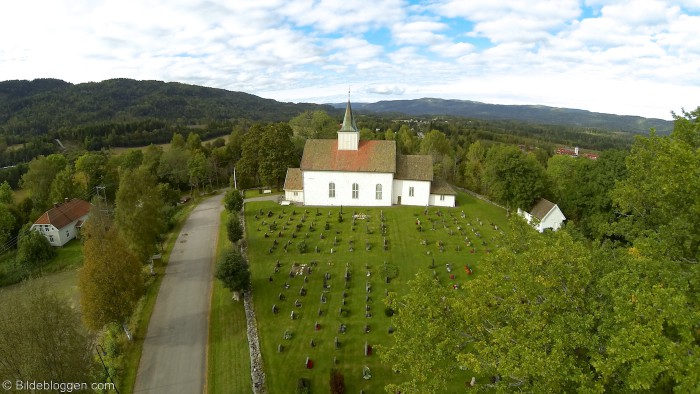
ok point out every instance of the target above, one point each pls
(410, 191)
(331, 190)
(355, 191)
(378, 191)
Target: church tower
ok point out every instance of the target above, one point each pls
(348, 135)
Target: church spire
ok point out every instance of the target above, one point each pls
(349, 120)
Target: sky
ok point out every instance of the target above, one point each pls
(633, 57)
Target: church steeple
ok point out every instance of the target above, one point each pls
(348, 135)
(349, 120)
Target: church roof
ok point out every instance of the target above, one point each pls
(349, 120)
(414, 167)
(439, 186)
(542, 208)
(370, 156)
(293, 180)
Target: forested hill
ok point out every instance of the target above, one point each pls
(527, 113)
(44, 105)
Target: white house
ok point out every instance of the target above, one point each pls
(347, 171)
(61, 223)
(543, 215)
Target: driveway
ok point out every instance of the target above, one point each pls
(174, 350)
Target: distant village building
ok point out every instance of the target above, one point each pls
(347, 171)
(62, 223)
(575, 153)
(544, 215)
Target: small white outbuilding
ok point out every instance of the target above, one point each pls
(544, 215)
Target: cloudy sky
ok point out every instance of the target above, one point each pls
(639, 57)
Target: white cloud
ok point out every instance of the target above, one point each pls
(639, 57)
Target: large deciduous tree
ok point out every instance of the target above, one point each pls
(41, 338)
(39, 177)
(512, 177)
(111, 280)
(33, 249)
(139, 215)
(93, 167)
(659, 201)
(65, 186)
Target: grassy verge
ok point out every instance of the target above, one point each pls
(142, 315)
(441, 238)
(228, 363)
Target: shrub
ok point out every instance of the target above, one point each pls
(233, 201)
(33, 250)
(234, 228)
(233, 271)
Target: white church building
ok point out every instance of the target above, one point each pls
(351, 172)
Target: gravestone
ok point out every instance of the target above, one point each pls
(320, 312)
(275, 309)
(390, 330)
(287, 335)
(297, 303)
(336, 342)
(342, 328)
(280, 297)
(280, 348)
(368, 350)
(323, 299)
(292, 316)
(302, 291)
(311, 343)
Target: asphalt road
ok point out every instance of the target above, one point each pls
(174, 350)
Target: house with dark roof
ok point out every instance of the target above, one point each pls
(544, 215)
(62, 223)
(347, 171)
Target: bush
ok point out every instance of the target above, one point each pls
(234, 228)
(233, 201)
(33, 249)
(337, 382)
(233, 271)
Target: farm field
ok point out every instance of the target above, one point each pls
(312, 285)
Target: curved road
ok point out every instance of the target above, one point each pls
(173, 359)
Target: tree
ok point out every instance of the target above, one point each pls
(659, 201)
(65, 186)
(93, 167)
(197, 168)
(6, 196)
(173, 166)
(132, 159)
(233, 200)
(49, 345)
(232, 270)
(138, 212)
(405, 141)
(41, 173)
(512, 177)
(427, 337)
(33, 249)
(194, 142)
(110, 281)
(276, 153)
(435, 144)
(177, 142)
(234, 228)
(474, 166)
(7, 223)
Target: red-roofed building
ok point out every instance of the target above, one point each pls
(347, 171)
(61, 223)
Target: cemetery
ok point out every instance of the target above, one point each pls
(320, 277)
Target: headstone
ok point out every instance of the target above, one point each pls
(336, 342)
(280, 348)
(311, 343)
(275, 309)
(317, 326)
(390, 330)
(292, 315)
(280, 297)
(297, 303)
(320, 312)
(368, 349)
(309, 363)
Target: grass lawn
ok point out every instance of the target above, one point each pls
(228, 357)
(409, 250)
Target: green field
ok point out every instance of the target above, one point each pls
(442, 239)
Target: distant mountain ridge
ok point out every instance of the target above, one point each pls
(527, 113)
(44, 105)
